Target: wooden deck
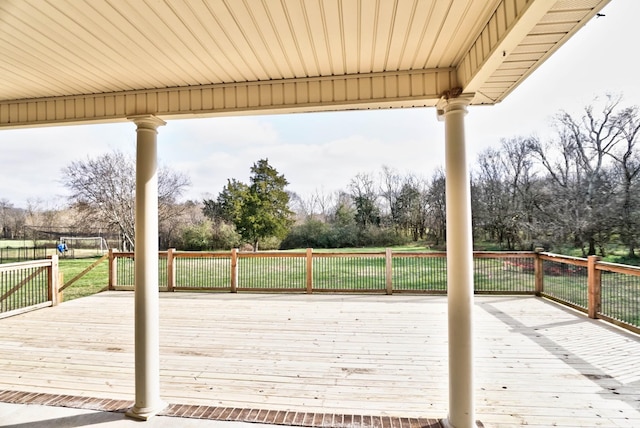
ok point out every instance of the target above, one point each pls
(537, 364)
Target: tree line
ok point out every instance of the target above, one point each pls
(578, 189)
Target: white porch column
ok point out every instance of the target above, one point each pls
(147, 337)
(459, 265)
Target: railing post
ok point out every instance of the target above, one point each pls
(52, 280)
(234, 270)
(538, 271)
(60, 282)
(309, 270)
(594, 287)
(171, 270)
(113, 270)
(388, 270)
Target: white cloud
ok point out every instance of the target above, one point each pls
(229, 133)
(31, 160)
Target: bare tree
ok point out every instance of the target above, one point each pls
(497, 208)
(628, 173)
(11, 220)
(390, 191)
(43, 220)
(579, 172)
(302, 207)
(325, 203)
(524, 186)
(104, 189)
(436, 203)
(507, 194)
(412, 206)
(365, 197)
(5, 208)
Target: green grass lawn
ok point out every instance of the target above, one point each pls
(91, 283)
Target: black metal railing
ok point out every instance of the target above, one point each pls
(565, 279)
(27, 285)
(388, 271)
(419, 272)
(616, 293)
(271, 272)
(202, 271)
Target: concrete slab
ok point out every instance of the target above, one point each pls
(36, 416)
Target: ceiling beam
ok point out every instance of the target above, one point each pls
(362, 91)
(507, 27)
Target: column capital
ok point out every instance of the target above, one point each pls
(147, 121)
(450, 104)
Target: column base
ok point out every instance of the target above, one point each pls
(145, 413)
(445, 423)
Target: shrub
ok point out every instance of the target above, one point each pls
(316, 234)
(380, 237)
(196, 237)
(310, 234)
(224, 237)
(207, 236)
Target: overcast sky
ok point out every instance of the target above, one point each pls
(325, 150)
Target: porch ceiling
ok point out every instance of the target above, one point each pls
(70, 61)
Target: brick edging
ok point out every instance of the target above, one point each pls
(264, 416)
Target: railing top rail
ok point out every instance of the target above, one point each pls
(618, 268)
(479, 254)
(130, 254)
(267, 254)
(421, 254)
(503, 254)
(24, 265)
(123, 254)
(201, 254)
(352, 254)
(578, 261)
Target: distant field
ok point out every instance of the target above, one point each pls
(19, 243)
(15, 250)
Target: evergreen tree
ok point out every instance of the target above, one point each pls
(258, 210)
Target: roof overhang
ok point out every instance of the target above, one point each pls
(70, 62)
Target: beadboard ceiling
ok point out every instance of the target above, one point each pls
(74, 61)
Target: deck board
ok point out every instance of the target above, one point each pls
(536, 363)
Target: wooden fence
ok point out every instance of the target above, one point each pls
(609, 291)
(602, 290)
(309, 271)
(26, 286)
